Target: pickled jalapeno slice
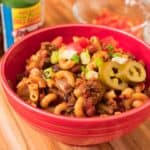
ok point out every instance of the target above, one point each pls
(133, 71)
(110, 75)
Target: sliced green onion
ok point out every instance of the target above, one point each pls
(110, 50)
(54, 57)
(116, 55)
(110, 47)
(84, 69)
(48, 73)
(85, 57)
(75, 58)
(98, 62)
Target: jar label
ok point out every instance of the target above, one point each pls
(25, 17)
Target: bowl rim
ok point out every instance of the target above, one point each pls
(96, 119)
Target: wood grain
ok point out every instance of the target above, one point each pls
(16, 134)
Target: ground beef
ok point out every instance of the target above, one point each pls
(76, 69)
(46, 63)
(48, 47)
(92, 49)
(62, 89)
(59, 93)
(92, 91)
(63, 86)
(89, 107)
(71, 99)
(56, 68)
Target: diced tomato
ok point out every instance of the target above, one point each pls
(119, 50)
(83, 42)
(75, 46)
(57, 41)
(109, 41)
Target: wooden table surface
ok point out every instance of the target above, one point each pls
(15, 134)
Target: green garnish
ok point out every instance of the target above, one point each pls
(85, 57)
(116, 55)
(75, 58)
(110, 50)
(84, 69)
(54, 57)
(98, 62)
(110, 47)
(48, 73)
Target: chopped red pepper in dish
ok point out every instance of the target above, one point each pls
(114, 20)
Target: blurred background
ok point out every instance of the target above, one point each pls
(19, 18)
(129, 15)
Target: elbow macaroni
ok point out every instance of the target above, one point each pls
(73, 80)
(78, 108)
(66, 64)
(48, 99)
(34, 92)
(66, 75)
(60, 108)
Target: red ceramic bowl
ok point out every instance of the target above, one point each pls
(77, 131)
